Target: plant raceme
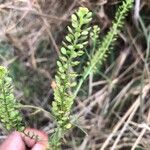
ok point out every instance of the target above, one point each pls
(9, 115)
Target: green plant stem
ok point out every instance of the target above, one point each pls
(36, 107)
(85, 75)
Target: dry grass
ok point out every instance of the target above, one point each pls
(115, 113)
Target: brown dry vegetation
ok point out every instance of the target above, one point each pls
(114, 107)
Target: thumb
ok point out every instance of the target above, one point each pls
(13, 142)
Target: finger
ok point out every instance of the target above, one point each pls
(13, 142)
(40, 144)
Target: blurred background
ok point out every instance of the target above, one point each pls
(113, 107)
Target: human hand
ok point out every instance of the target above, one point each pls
(18, 141)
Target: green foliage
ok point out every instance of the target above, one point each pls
(107, 43)
(109, 40)
(76, 41)
(9, 115)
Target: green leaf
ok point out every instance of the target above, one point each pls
(71, 37)
(79, 46)
(89, 15)
(74, 17)
(85, 33)
(68, 39)
(62, 58)
(74, 63)
(75, 24)
(71, 47)
(59, 64)
(76, 40)
(63, 51)
(9, 115)
(70, 30)
(61, 69)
